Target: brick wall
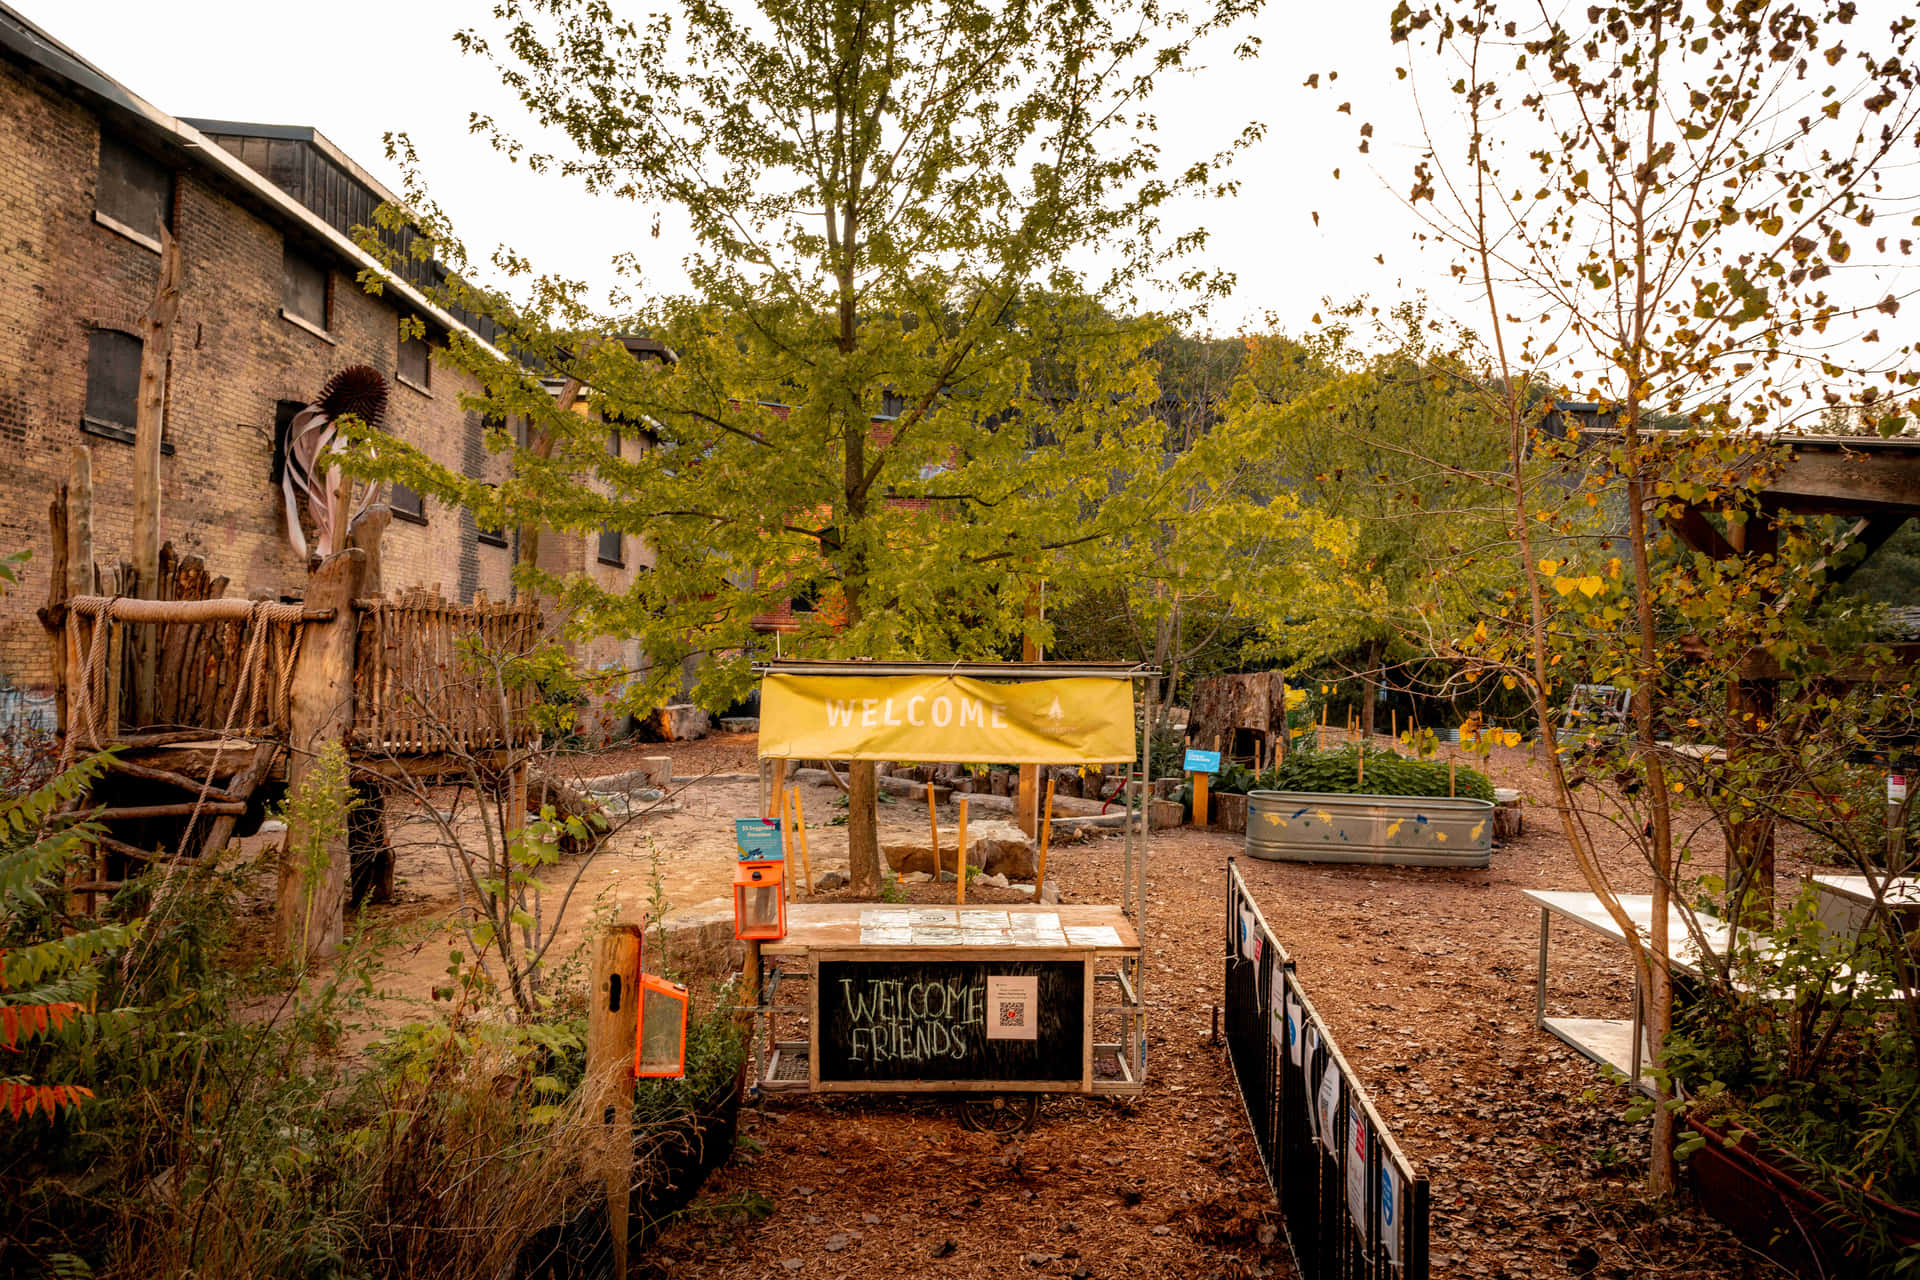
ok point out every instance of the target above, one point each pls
(63, 274)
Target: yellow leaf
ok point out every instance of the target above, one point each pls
(1513, 738)
(1549, 566)
(1509, 681)
(1565, 586)
(1590, 585)
(1613, 567)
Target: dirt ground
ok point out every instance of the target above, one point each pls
(1426, 977)
(1427, 980)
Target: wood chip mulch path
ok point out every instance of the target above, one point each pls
(1427, 980)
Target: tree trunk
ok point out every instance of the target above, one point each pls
(1370, 686)
(863, 829)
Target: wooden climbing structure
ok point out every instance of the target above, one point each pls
(211, 705)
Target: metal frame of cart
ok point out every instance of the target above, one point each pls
(1107, 940)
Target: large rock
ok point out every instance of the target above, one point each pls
(680, 722)
(996, 847)
(698, 942)
(653, 772)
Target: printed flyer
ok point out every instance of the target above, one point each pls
(1013, 1008)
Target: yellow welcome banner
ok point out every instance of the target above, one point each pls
(1070, 721)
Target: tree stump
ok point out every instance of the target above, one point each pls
(1507, 818)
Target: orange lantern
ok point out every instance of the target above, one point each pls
(759, 900)
(660, 1042)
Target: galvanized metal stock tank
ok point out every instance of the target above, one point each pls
(1400, 831)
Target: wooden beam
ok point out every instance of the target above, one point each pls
(1840, 481)
(312, 911)
(168, 776)
(129, 812)
(1869, 533)
(221, 609)
(1692, 527)
(149, 418)
(54, 615)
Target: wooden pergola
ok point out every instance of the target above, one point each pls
(1875, 483)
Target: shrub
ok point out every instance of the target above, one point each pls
(1387, 773)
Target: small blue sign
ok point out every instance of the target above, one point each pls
(758, 839)
(1201, 762)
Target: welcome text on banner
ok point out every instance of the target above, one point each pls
(938, 718)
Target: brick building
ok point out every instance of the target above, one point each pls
(270, 306)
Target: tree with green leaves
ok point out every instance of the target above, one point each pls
(1681, 201)
(1397, 449)
(904, 386)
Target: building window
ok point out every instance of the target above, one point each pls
(493, 537)
(613, 441)
(407, 504)
(610, 549)
(284, 412)
(134, 192)
(416, 368)
(113, 384)
(303, 290)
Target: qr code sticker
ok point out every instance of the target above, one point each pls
(1013, 1013)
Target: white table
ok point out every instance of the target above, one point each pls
(1619, 1043)
(1846, 904)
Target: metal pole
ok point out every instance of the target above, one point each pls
(1139, 962)
(1540, 983)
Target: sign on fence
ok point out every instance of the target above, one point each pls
(1352, 1206)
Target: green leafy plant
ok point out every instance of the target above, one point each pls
(50, 970)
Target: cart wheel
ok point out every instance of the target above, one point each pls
(998, 1112)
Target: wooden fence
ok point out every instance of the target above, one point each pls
(426, 675)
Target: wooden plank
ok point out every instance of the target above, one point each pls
(243, 785)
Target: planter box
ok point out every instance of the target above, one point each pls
(1760, 1196)
(1402, 831)
(1229, 812)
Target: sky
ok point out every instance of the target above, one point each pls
(357, 69)
(1294, 235)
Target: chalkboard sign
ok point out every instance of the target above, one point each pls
(951, 1020)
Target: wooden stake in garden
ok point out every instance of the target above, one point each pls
(613, 1026)
(1046, 835)
(1450, 777)
(959, 856)
(933, 830)
(800, 834)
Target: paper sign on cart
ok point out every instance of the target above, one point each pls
(1013, 1007)
(1295, 1033)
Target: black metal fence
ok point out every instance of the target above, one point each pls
(1352, 1205)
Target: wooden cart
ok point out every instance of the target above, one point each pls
(998, 1003)
(993, 1003)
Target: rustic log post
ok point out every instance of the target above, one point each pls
(1027, 803)
(613, 1026)
(321, 711)
(54, 615)
(149, 420)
